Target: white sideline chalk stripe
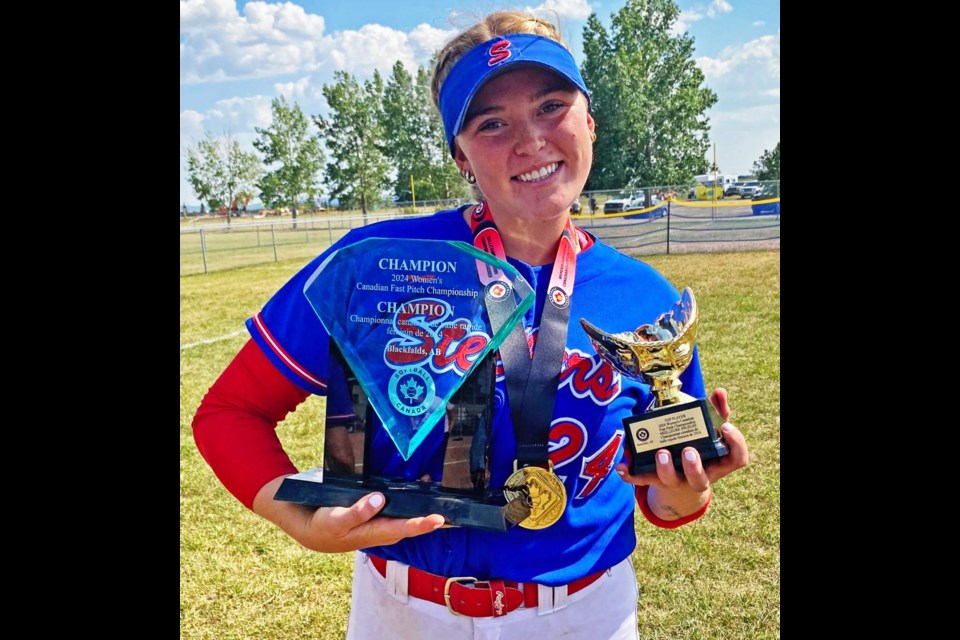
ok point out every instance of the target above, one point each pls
(226, 336)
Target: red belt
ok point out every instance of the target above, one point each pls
(476, 598)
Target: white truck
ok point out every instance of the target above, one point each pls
(624, 203)
(750, 189)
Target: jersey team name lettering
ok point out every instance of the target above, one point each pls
(436, 266)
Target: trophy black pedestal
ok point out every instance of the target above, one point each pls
(411, 377)
(671, 428)
(403, 500)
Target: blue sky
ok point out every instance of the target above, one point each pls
(235, 57)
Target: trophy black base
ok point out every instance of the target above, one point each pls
(674, 428)
(459, 508)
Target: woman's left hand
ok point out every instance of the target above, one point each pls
(671, 495)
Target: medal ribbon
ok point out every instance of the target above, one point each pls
(531, 381)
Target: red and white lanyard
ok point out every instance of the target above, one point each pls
(531, 381)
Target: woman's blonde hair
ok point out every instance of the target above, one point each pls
(496, 24)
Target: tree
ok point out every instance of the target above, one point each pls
(249, 172)
(296, 155)
(415, 143)
(443, 175)
(768, 166)
(649, 101)
(353, 133)
(204, 171)
(406, 127)
(220, 172)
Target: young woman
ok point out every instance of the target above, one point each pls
(517, 119)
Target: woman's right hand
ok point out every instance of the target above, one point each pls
(337, 529)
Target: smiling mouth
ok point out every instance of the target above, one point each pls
(539, 174)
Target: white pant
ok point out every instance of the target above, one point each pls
(381, 609)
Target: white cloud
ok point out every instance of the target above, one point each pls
(746, 120)
(698, 12)
(296, 90)
(566, 9)
(373, 46)
(758, 23)
(266, 40)
(741, 135)
(718, 7)
(760, 55)
(282, 22)
(217, 43)
(239, 114)
(429, 39)
(191, 124)
(199, 13)
(686, 18)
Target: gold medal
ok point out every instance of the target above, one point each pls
(536, 498)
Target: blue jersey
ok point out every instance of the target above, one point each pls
(596, 531)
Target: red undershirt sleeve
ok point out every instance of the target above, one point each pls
(641, 494)
(235, 425)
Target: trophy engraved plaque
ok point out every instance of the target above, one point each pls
(657, 354)
(411, 378)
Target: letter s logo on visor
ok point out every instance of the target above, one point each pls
(499, 52)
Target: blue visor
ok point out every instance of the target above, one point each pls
(493, 57)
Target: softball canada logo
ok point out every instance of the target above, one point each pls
(411, 391)
(498, 290)
(558, 297)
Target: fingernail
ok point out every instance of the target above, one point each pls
(690, 455)
(376, 500)
(663, 458)
(437, 526)
(621, 472)
(726, 427)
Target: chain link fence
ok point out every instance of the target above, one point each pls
(213, 246)
(684, 219)
(644, 221)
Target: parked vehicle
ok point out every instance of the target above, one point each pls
(766, 192)
(624, 203)
(749, 189)
(575, 206)
(721, 181)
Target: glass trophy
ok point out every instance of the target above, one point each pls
(411, 377)
(657, 354)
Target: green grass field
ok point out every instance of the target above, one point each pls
(716, 578)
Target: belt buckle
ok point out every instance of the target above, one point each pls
(446, 590)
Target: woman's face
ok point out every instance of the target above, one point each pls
(526, 138)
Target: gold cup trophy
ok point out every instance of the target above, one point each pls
(657, 354)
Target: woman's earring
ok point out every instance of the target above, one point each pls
(593, 136)
(469, 177)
